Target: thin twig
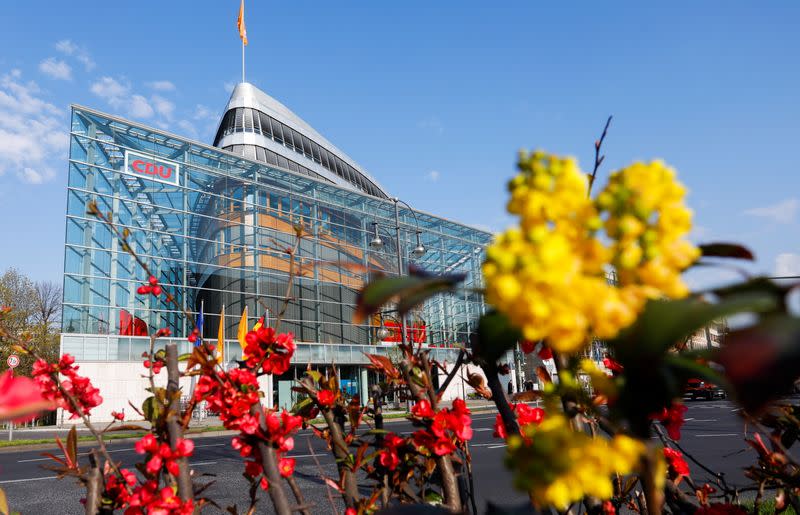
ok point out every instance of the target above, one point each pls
(598, 159)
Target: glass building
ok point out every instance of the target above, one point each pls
(213, 223)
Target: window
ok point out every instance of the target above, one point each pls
(298, 141)
(248, 120)
(256, 122)
(237, 126)
(307, 147)
(260, 155)
(266, 130)
(287, 136)
(277, 133)
(315, 152)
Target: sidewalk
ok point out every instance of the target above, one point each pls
(51, 432)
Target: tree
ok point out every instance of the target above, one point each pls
(34, 317)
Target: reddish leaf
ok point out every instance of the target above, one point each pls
(726, 250)
(479, 384)
(543, 375)
(384, 365)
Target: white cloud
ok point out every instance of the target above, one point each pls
(161, 85)
(67, 47)
(162, 106)
(432, 176)
(782, 212)
(787, 264)
(56, 68)
(32, 130)
(118, 94)
(188, 129)
(32, 176)
(202, 112)
(111, 90)
(139, 107)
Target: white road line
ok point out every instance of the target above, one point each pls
(720, 434)
(497, 446)
(303, 455)
(115, 450)
(202, 463)
(28, 479)
(482, 429)
(703, 419)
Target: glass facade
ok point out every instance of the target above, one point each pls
(214, 228)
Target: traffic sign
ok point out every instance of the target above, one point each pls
(12, 361)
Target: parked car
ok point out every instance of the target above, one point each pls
(700, 389)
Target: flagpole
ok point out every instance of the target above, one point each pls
(243, 61)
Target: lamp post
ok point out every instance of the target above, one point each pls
(418, 251)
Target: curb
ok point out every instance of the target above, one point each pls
(193, 435)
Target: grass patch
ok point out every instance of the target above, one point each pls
(767, 507)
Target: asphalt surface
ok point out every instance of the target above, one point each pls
(713, 433)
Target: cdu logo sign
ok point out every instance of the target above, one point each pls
(151, 167)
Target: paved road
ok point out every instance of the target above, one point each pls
(713, 432)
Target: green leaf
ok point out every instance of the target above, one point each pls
(433, 497)
(184, 357)
(406, 291)
(301, 405)
(726, 250)
(151, 409)
(663, 323)
(496, 335)
(315, 375)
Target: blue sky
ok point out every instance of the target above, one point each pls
(433, 98)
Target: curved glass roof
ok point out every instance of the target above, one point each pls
(259, 127)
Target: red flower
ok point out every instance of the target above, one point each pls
(525, 415)
(325, 398)
(286, 466)
(86, 396)
(20, 398)
(545, 352)
(117, 415)
(527, 346)
(608, 508)
(389, 459)
(422, 409)
(612, 365)
(677, 465)
(672, 419)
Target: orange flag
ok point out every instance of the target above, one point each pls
(240, 24)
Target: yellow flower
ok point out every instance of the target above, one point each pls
(558, 466)
(549, 273)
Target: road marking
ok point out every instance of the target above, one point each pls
(703, 419)
(28, 479)
(497, 446)
(202, 463)
(720, 434)
(303, 455)
(483, 429)
(114, 450)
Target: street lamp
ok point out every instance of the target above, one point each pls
(418, 251)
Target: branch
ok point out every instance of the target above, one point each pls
(598, 159)
(350, 493)
(94, 486)
(452, 374)
(174, 429)
(269, 462)
(499, 398)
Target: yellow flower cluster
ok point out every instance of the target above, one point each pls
(549, 273)
(647, 221)
(558, 466)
